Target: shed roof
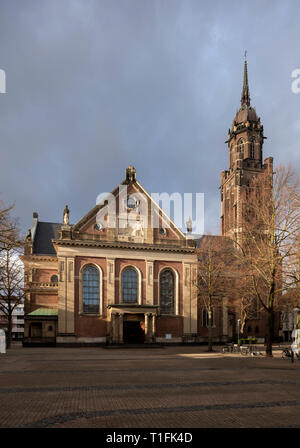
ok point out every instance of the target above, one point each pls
(44, 312)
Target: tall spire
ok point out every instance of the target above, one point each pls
(245, 99)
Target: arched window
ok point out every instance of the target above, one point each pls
(205, 317)
(240, 148)
(252, 149)
(129, 285)
(90, 290)
(54, 279)
(167, 291)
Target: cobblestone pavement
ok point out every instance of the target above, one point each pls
(173, 387)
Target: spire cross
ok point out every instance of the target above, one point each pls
(245, 55)
(245, 99)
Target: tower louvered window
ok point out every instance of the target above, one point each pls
(240, 148)
(252, 149)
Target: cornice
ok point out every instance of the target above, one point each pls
(34, 257)
(123, 245)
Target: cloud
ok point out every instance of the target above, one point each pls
(94, 86)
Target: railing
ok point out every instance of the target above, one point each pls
(43, 285)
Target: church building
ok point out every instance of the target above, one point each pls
(114, 277)
(127, 281)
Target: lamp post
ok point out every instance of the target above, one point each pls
(238, 325)
(295, 338)
(295, 346)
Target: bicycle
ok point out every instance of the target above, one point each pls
(286, 353)
(244, 350)
(227, 349)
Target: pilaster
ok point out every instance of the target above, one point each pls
(66, 295)
(189, 298)
(149, 282)
(110, 281)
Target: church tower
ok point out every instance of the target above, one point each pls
(245, 144)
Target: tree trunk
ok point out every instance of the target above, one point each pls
(209, 331)
(270, 332)
(9, 331)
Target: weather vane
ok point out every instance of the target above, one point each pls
(245, 54)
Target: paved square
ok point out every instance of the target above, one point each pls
(154, 388)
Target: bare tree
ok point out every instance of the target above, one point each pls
(212, 255)
(271, 222)
(11, 269)
(248, 310)
(7, 225)
(247, 304)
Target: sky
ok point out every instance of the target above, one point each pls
(93, 86)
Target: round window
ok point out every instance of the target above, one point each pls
(98, 226)
(131, 203)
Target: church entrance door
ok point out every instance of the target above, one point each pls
(133, 332)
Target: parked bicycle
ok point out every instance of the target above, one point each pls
(245, 350)
(231, 348)
(289, 354)
(228, 348)
(286, 353)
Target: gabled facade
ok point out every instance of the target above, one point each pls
(112, 277)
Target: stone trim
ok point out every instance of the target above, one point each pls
(123, 245)
(33, 257)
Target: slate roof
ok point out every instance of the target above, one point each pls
(45, 232)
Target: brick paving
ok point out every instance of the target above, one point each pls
(172, 387)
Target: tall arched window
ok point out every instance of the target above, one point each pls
(90, 290)
(129, 285)
(167, 291)
(252, 149)
(54, 279)
(240, 148)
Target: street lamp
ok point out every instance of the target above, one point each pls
(295, 334)
(238, 322)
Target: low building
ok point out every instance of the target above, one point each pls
(17, 322)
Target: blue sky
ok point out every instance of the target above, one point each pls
(95, 85)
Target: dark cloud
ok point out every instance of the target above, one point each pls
(93, 86)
